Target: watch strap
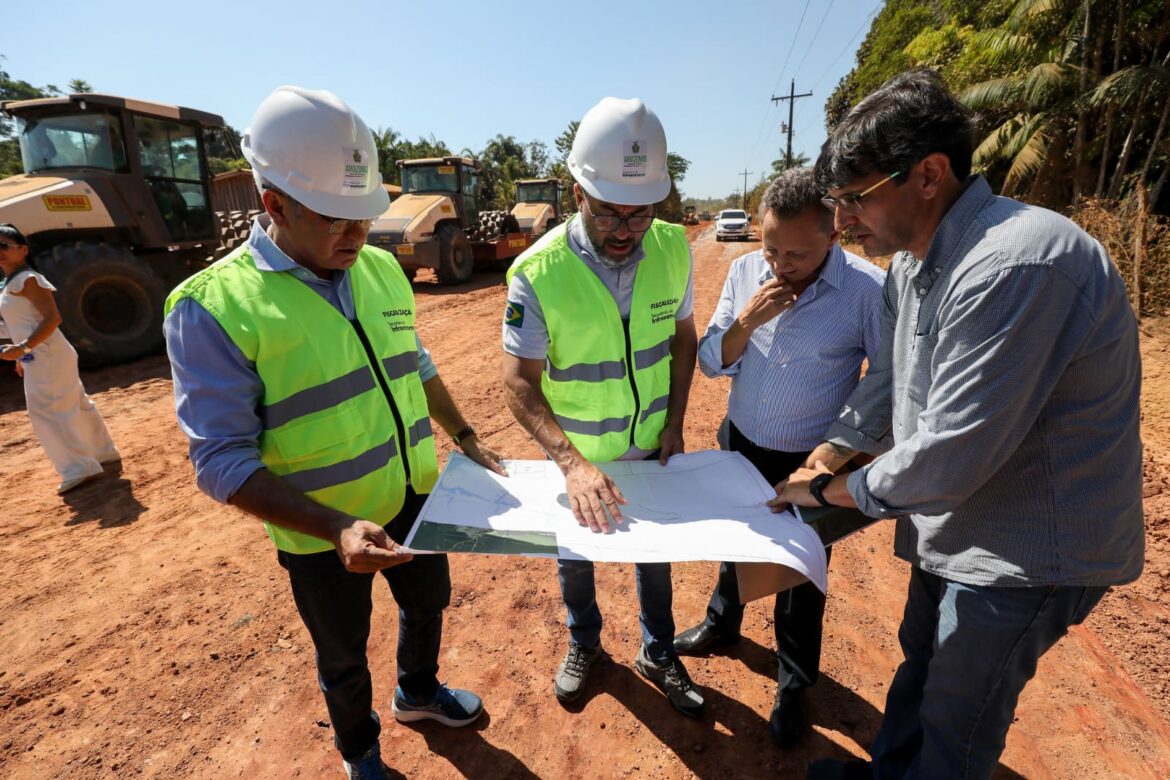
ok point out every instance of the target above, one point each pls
(463, 433)
(817, 485)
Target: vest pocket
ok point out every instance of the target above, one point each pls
(320, 439)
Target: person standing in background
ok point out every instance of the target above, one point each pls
(63, 417)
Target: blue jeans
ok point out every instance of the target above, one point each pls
(335, 606)
(969, 651)
(654, 598)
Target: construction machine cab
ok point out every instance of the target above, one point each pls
(539, 204)
(149, 156)
(455, 177)
(116, 201)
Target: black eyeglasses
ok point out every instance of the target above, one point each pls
(608, 223)
(5, 245)
(337, 225)
(851, 201)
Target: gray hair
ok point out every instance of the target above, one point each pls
(791, 194)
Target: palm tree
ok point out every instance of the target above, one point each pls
(1042, 48)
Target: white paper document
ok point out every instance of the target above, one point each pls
(702, 506)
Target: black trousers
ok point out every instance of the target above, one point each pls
(335, 606)
(798, 612)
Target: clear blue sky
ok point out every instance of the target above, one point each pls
(472, 69)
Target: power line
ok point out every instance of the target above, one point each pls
(829, 68)
(813, 40)
(779, 78)
(791, 46)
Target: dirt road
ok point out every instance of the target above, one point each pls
(147, 631)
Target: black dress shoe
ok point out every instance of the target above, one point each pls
(787, 722)
(701, 638)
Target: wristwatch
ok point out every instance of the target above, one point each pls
(466, 432)
(817, 485)
(23, 347)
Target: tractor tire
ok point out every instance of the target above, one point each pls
(111, 302)
(455, 259)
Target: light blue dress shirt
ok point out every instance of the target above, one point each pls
(799, 367)
(217, 389)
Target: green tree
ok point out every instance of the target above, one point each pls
(12, 89)
(799, 160)
(505, 161)
(392, 147)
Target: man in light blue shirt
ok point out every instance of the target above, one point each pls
(239, 398)
(792, 327)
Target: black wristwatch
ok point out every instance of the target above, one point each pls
(817, 485)
(466, 432)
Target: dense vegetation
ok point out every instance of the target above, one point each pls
(1072, 96)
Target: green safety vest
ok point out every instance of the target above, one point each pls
(601, 405)
(329, 429)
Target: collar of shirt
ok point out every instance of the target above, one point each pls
(954, 224)
(582, 247)
(269, 257)
(830, 272)
(265, 253)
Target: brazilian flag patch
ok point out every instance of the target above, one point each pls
(514, 315)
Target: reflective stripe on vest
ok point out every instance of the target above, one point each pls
(328, 428)
(608, 389)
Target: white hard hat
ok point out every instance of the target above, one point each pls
(619, 154)
(310, 145)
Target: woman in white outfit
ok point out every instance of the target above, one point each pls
(63, 417)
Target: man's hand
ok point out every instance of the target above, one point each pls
(483, 455)
(773, 296)
(794, 490)
(19, 368)
(364, 547)
(592, 491)
(11, 352)
(670, 442)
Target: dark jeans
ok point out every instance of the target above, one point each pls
(655, 596)
(798, 612)
(969, 651)
(654, 600)
(335, 606)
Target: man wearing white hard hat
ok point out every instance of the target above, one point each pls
(599, 343)
(307, 399)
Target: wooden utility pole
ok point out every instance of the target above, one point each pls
(791, 97)
(743, 199)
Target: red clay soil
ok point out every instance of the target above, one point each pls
(147, 631)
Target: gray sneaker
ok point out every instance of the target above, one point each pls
(571, 674)
(671, 678)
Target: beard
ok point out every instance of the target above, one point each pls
(597, 247)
